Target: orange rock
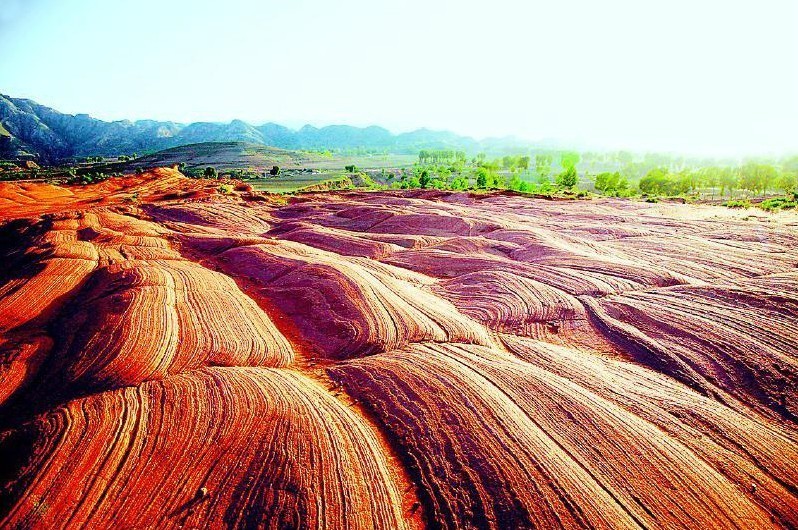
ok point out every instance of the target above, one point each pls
(173, 357)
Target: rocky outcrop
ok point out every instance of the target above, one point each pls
(173, 357)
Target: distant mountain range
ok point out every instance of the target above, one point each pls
(29, 130)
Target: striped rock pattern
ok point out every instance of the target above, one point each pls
(238, 447)
(392, 360)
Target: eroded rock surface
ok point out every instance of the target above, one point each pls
(171, 357)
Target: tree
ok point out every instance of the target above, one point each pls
(607, 182)
(602, 181)
(757, 177)
(661, 181)
(787, 182)
(460, 183)
(569, 159)
(684, 181)
(210, 172)
(523, 162)
(424, 179)
(544, 185)
(444, 173)
(482, 178)
(274, 171)
(708, 177)
(656, 181)
(567, 178)
(543, 166)
(727, 180)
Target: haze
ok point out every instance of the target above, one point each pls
(694, 76)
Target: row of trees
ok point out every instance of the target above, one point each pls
(98, 159)
(441, 156)
(512, 163)
(754, 177)
(514, 172)
(508, 172)
(516, 163)
(611, 183)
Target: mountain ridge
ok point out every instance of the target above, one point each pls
(35, 131)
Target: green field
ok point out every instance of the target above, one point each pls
(289, 183)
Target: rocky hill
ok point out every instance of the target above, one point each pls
(229, 155)
(33, 131)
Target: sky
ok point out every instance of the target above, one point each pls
(696, 76)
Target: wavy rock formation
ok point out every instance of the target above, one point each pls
(529, 448)
(345, 307)
(739, 338)
(175, 358)
(237, 447)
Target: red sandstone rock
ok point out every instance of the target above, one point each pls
(391, 360)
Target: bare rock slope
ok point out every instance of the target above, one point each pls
(171, 357)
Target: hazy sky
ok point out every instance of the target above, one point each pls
(690, 75)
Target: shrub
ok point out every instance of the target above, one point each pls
(778, 203)
(737, 203)
(225, 189)
(460, 183)
(88, 178)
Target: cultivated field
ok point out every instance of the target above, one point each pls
(174, 356)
